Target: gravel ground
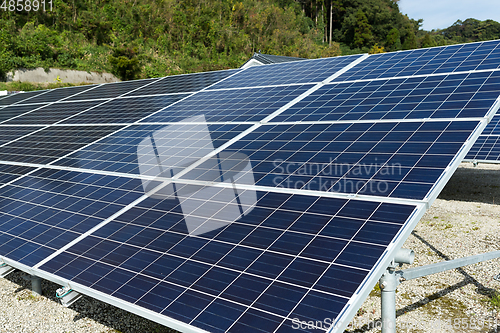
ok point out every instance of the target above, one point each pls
(464, 221)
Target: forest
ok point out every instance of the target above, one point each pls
(153, 38)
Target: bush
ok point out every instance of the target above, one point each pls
(124, 63)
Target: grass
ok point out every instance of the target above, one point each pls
(494, 300)
(28, 86)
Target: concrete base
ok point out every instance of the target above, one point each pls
(55, 75)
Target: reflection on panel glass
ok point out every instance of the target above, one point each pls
(44, 211)
(383, 159)
(50, 143)
(165, 152)
(12, 111)
(119, 152)
(24, 97)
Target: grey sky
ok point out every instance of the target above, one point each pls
(439, 14)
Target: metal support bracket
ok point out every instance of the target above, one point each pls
(67, 296)
(5, 270)
(392, 278)
(416, 272)
(388, 283)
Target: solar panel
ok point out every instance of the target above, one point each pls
(487, 147)
(442, 96)
(183, 83)
(305, 71)
(485, 150)
(59, 94)
(9, 134)
(111, 90)
(41, 114)
(234, 105)
(392, 159)
(124, 110)
(9, 173)
(208, 214)
(48, 144)
(10, 112)
(138, 146)
(48, 209)
(263, 265)
(24, 97)
(436, 60)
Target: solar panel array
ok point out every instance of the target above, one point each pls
(239, 201)
(487, 147)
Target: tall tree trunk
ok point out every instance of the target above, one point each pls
(331, 20)
(323, 15)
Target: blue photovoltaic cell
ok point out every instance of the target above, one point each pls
(206, 245)
(446, 96)
(14, 98)
(9, 133)
(230, 105)
(10, 112)
(51, 113)
(48, 209)
(183, 83)
(385, 159)
(10, 172)
(111, 90)
(48, 144)
(153, 149)
(493, 128)
(256, 266)
(436, 60)
(54, 95)
(486, 148)
(124, 110)
(305, 71)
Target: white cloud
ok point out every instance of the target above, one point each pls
(440, 14)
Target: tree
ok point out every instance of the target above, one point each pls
(393, 40)
(124, 63)
(362, 33)
(376, 49)
(410, 41)
(428, 41)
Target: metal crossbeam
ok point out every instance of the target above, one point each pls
(413, 273)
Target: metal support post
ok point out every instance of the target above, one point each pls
(36, 286)
(388, 284)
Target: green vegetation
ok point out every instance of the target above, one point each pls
(153, 38)
(470, 30)
(28, 86)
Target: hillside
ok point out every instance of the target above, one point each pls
(153, 38)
